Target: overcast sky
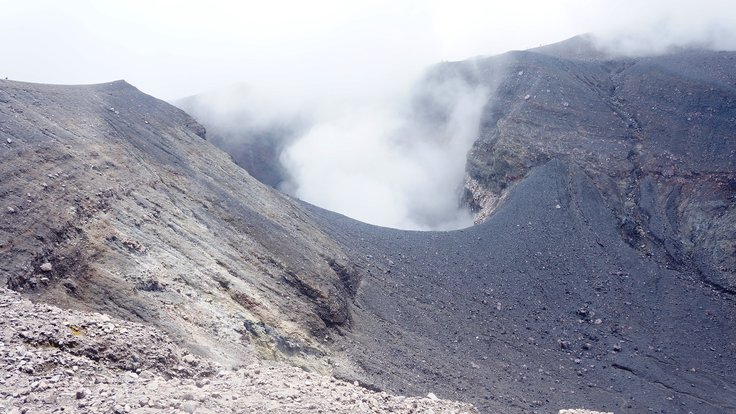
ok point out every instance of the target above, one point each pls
(176, 48)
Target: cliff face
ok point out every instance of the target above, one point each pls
(112, 201)
(655, 134)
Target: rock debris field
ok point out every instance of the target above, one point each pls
(54, 360)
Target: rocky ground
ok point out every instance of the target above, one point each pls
(54, 360)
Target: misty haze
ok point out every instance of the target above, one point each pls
(368, 207)
(391, 161)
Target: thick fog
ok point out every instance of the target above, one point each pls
(638, 28)
(384, 163)
(329, 89)
(392, 159)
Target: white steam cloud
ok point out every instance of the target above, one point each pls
(384, 153)
(378, 166)
(640, 28)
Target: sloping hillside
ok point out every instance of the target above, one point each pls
(603, 271)
(656, 134)
(114, 202)
(62, 360)
(541, 307)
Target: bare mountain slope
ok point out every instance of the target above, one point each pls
(113, 202)
(655, 133)
(541, 307)
(56, 360)
(603, 273)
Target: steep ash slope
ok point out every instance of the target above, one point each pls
(112, 201)
(603, 273)
(543, 306)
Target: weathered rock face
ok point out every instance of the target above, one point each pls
(656, 134)
(113, 202)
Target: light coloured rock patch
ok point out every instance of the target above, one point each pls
(53, 360)
(485, 200)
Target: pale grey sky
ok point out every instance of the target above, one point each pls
(176, 48)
